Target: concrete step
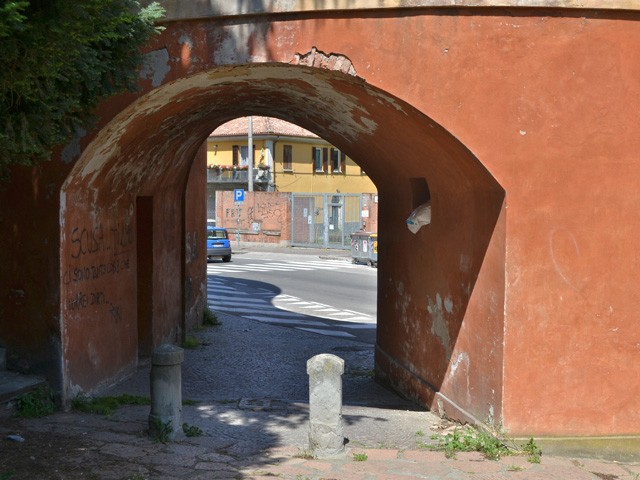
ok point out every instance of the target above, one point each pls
(13, 384)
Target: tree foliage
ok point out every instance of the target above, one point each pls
(59, 59)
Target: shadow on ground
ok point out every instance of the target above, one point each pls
(245, 388)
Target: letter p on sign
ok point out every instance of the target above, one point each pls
(238, 196)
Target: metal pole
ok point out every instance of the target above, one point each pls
(250, 149)
(238, 230)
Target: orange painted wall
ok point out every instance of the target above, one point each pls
(517, 302)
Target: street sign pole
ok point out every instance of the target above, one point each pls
(238, 199)
(250, 149)
(238, 230)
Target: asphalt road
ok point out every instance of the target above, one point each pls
(320, 293)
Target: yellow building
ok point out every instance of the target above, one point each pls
(287, 158)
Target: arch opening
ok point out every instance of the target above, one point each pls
(440, 291)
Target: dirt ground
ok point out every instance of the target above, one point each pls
(49, 455)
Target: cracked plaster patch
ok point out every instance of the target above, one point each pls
(72, 150)
(319, 59)
(439, 325)
(156, 66)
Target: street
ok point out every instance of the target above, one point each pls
(298, 289)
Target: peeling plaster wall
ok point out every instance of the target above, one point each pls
(168, 323)
(195, 243)
(506, 306)
(99, 261)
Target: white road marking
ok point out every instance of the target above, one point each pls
(332, 333)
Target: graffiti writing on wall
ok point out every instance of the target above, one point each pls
(83, 300)
(95, 271)
(100, 252)
(272, 213)
(87, 241)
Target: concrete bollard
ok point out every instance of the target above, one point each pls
(326, 438)
(165, 419)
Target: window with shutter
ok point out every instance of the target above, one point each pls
(287, 161)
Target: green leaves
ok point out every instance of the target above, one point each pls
(60, 58)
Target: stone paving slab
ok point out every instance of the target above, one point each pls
(247, 444)
(13, 384)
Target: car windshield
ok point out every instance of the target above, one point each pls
(215, 234)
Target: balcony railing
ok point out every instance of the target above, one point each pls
(218, 175)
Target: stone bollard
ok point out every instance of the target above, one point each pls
(165, 419)
(326, 437)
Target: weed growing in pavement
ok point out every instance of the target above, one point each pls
(419, 433)
(191, 430)
(514, 468)
(161, 430)
(307, 455)
(6, 475)
(106, 405)
(36, 404)
(191, 342)
(469, 439)
(360, 457)
(189, 402)
(492, 446)
(532, 450)
(136, 476)
(420, 444)
(210, 319)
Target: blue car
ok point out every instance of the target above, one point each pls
(218, 244)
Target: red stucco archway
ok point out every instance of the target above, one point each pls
(509, 317)
(147, 151)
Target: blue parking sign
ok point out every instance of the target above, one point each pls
(238, 195)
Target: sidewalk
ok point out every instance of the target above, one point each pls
(80, 446)
(323, 253)
(246, 389)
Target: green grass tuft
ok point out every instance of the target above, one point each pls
(191, 342)
(106, 405)
(360, 457)
(36, 404)
(209, 318)
(532, 450)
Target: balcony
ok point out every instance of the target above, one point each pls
(240, 175)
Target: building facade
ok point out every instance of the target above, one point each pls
(297, 159)
(332, 195)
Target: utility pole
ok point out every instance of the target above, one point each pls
(250, 154)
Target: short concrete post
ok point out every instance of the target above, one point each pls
(326, 438)
(165, 419)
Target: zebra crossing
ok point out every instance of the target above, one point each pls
(264, 305)
(285, 266)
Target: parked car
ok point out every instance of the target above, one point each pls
(218, 244)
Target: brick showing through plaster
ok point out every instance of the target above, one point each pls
(319, 59)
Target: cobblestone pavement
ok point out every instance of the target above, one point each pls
(246, 389)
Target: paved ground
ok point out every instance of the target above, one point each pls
(246, 388)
